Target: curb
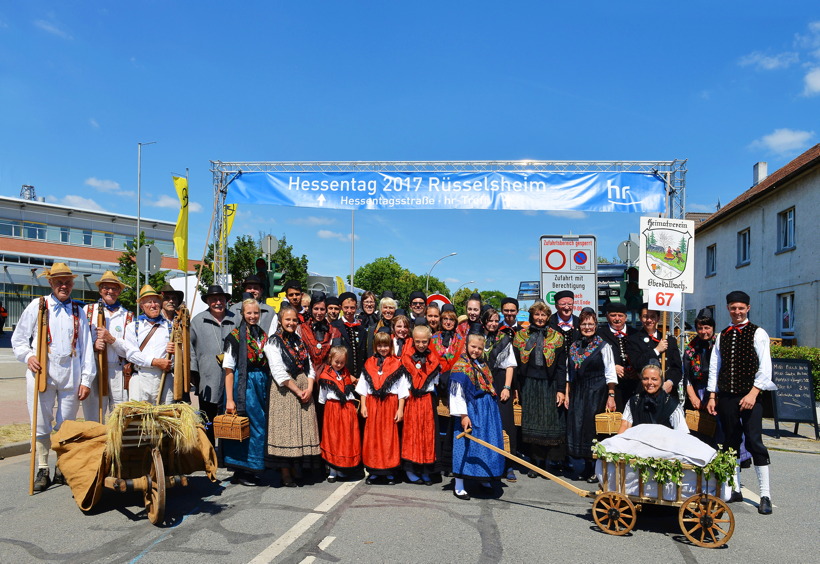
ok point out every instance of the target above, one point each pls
(15, 449)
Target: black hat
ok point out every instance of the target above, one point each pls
(291, 285)
(475, 329)
(399, 312)
(705, 318)
(615, 307)
(215, 290)
(509, 300)
(417, 294)
(485, 307)
(737, 296)
(385, 329)
(317, 298)
(168, 289)
(347, 296)
(448, 307)
(421, 320)
(564, 294)
(332, 300)
(387, 294)
(475, 296)
(252, 279)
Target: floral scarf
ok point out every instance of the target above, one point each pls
(477, 373)
(295, 353)
(693, 354)
(552, 341)
(579, 353)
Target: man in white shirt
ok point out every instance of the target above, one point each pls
(147, 345)
(116, 319)
(70, 372)
(741, 368)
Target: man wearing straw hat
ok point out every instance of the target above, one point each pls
(147, 345)
(116, 319)
(70, 372)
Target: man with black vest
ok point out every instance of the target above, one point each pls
(741, 368)
(563, 319)
(353, 334)
(616, 332)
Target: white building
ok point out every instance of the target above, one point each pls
(765, 242)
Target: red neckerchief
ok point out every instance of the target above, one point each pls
(381, 379)
(420, 377)
(342, 383)
(739, 327)
(318, 354)
(355, 323)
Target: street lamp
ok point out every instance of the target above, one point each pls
(460, 287)
(427, 284)
(139, 195)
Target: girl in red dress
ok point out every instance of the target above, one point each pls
(341, 441)
(418, 447)
(383, 388)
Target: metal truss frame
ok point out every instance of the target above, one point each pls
(673, 172)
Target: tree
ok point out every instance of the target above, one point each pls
(492, 297)
(651, 238)
(460, 299)
(683, 244)
(242, 257)
(385, 273)
(128, 273)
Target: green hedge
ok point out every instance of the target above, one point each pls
(803, 353)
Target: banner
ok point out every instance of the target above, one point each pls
(559, 191)
(181, 231)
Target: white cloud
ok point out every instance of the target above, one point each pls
(451, 280)
(327, 234)
(166, 201)
(73, 201)
(103, 185)
(568, 214)
(52, 28)
(761, 61)
(311, 220)
(783, 141)
(811, 40)
(194, 207)
(812, 82)
(94, 123)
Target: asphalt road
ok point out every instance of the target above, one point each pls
(531, 520)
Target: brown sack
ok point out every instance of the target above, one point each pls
(80, 447)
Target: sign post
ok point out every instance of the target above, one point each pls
(570, 262)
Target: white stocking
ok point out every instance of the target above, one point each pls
(763, 480)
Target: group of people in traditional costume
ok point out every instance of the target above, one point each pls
(336, 385)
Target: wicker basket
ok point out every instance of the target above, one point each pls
(517, 413)
(442, 408)
(608, 423)
(232, 427)
(701, 422)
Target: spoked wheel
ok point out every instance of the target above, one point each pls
(706, 520)
(155, 494)
(614, 513)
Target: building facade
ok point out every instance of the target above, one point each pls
(765, 242)
(35, 234)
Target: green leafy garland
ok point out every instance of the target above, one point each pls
(721, 468)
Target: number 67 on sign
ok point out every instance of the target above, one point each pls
(664, 300)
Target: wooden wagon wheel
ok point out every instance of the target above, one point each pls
(706, 520)
(155, 493)
(614, 513)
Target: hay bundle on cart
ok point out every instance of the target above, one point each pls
(144, 447)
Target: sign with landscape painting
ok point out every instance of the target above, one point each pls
(666, 261)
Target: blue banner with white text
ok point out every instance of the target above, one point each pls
(369, 190)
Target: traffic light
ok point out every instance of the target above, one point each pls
(275, 282)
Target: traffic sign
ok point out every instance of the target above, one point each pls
(569, 262)
(628, 251)
(148, 259)
(270, 245)
(438, 299)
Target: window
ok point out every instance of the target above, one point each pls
(109, 240)
(785, 230)
(785, 313)
(10, 228)
(711, 260)
(743, 248)
(86, 237)
(65, 234)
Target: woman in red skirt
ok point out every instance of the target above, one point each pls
(383, 388)
(418, 446)
(341, 441)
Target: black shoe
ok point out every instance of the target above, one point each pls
(331, 479)
(427, 482)
(391, 481)
(465, 496)
(592, 480)
(371, 480)
(765, 506)
(735, 497)
(532, 474)
(42, 481)
(416, 482)
(59, 479)
(289, 484)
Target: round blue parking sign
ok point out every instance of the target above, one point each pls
(580, 258)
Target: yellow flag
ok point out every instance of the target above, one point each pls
(181, 232)
(228, 215)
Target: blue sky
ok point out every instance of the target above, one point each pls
(723, 85)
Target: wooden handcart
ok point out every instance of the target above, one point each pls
(147, 463)
(706, 520)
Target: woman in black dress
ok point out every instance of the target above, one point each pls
(591, 389)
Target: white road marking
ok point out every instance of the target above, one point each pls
(322, 546)
(305, 523)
